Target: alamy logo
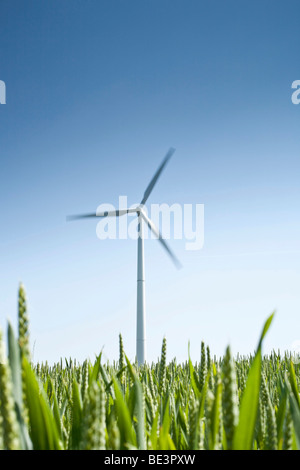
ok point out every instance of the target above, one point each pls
(296, 94)
(177, 222)
(2, 92)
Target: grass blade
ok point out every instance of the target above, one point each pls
(44, 433)
(244, 433)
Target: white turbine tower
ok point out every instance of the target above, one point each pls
(142, 218)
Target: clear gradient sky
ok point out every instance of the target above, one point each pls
(97, 92)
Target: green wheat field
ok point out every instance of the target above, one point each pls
(231, 403)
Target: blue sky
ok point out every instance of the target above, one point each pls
(97, 92)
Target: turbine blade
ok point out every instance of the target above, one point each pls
(115, 213)
(160, 238)
(81, 216)
(156, 176)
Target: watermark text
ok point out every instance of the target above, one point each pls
(2, 92)
(296, 93)
(176, 221)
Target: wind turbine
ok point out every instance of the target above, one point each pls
(142, 218)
